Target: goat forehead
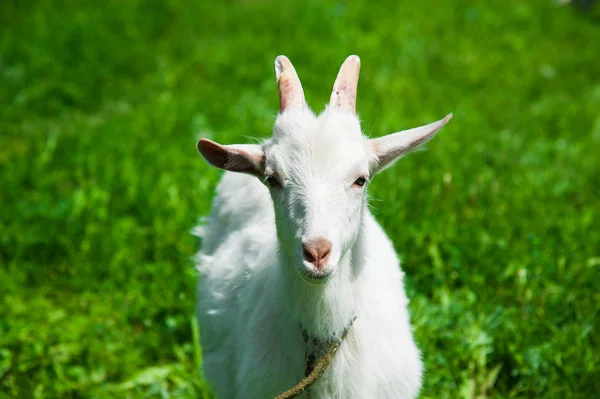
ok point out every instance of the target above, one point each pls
(317, 157)
(296, 125)
(342, 126)
(305, 147)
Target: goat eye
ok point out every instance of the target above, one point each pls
(273, 182)
(360, 182)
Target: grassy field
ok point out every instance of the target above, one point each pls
(497, 223)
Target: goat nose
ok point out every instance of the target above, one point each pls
(316, 251)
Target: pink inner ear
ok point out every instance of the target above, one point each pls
(232, 159)
(388, 148)
(214, 153)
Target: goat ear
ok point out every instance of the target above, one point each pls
(388, 149)
(243, 158)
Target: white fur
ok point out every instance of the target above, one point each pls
(255, 291)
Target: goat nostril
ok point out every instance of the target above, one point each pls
(317, 251)
(323, 247)
(309, 254)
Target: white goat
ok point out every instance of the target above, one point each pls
(291, 250)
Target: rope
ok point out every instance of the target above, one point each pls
(319, 369)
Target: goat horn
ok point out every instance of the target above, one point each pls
(291, 95)
(343, 95)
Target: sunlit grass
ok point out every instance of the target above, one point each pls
(100, 183)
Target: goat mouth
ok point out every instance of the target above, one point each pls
(315, 278)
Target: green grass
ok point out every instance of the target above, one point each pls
(100, 182)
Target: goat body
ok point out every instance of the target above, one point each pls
(258, 290)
